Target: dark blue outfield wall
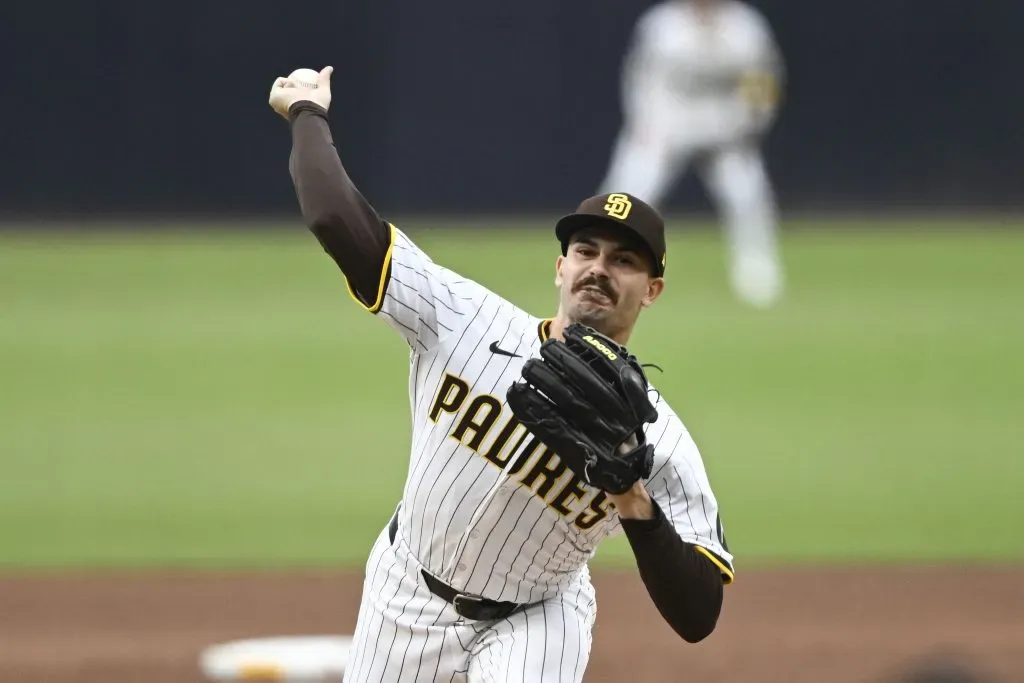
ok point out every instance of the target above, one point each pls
(486, 106)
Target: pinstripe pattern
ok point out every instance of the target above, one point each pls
(405, 634)
(487, 508)
(548, 642)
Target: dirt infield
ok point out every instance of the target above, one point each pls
(833, 626)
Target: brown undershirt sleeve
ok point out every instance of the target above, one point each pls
(348, 227)
(685, 585)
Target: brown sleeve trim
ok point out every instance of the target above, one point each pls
(728, 576)
(385, 276)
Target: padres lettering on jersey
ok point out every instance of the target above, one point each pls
(487, 507)
(537, 467)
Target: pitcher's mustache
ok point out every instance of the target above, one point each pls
(599, 283)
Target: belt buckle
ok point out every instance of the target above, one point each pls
(462, 601)
(481, 609)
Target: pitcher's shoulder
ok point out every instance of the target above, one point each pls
(497, 325)
(669, 434)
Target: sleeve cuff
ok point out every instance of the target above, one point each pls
(305, 105)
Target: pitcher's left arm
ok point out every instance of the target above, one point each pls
(673, 526)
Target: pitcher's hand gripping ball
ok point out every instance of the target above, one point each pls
(301, 85)
(587, 399)
(304, 78)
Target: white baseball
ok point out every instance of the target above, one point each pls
(304, 78)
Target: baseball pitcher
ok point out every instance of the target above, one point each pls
(700, 84)
(532, 441)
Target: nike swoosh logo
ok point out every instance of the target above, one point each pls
(502, 352)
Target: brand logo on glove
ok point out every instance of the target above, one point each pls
(618, 206)
(600, 347)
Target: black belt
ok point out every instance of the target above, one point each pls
(471, 607)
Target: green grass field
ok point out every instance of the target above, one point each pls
(217, 399)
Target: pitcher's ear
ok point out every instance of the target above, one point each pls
(654, 289)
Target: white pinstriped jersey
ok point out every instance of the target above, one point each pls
(486, 507)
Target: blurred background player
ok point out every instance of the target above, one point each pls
(700, 84)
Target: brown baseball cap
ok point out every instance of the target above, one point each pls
(618, 210)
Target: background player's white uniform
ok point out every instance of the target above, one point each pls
(488, 509)
(698, 85)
